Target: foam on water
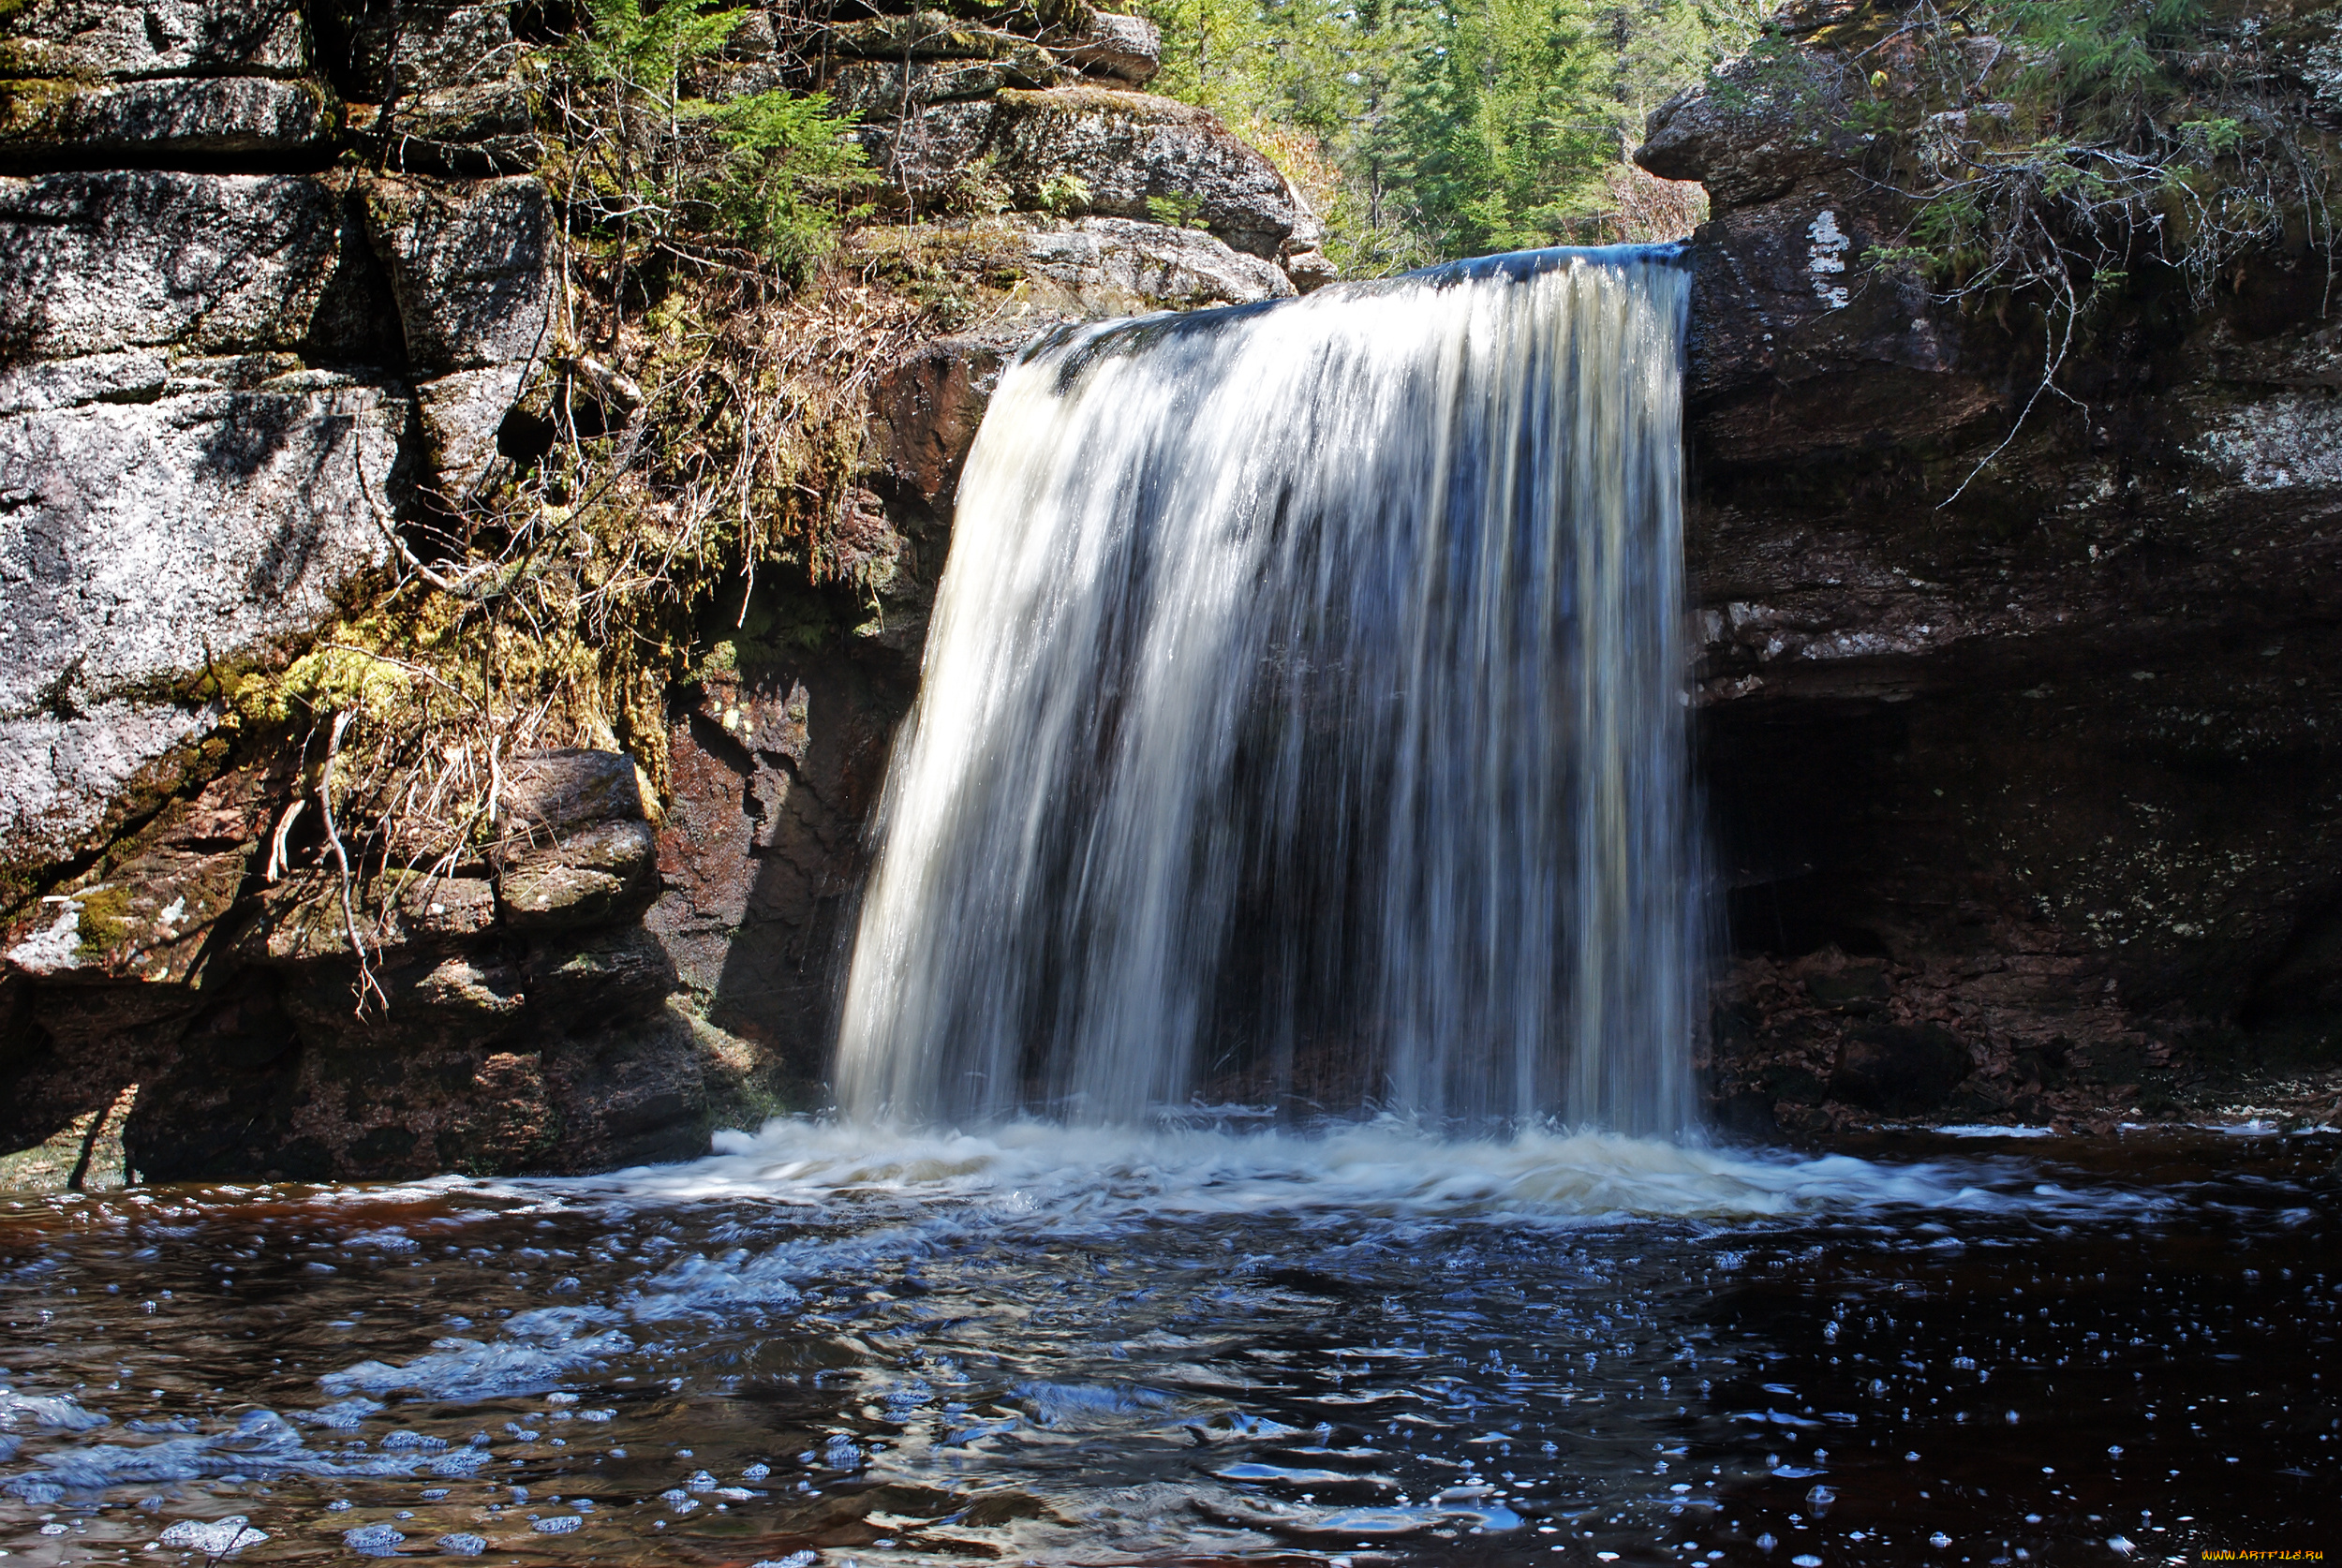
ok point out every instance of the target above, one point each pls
(1048, 1176)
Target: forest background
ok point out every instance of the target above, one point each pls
(1426, 129)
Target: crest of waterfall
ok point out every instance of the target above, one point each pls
(1305, 708)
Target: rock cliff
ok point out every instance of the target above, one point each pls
(2029, 794)
(281, 290)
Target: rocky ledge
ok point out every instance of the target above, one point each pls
(2026, 771)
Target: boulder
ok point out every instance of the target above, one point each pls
(1095, 151)
(548, 794)
(1105, 43)
(150, 542)
(171, 117)
(1764, 123)
(383, 50)
(94, 263)
(471, 264)
(872, 89)
(926, 34)
(88, 39)
(1110, 266)
(475, 129)
(462, 415)
(65, 781)
(131, 376)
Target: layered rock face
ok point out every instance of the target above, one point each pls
(2028, 792)
(271, 283)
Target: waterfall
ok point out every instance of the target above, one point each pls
(1304, 712)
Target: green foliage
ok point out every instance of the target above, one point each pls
(1179, 212)
(767, 172)
(647, 53)
(786, 161)
(1061, 195)
(1431, 128)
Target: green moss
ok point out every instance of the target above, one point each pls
(29, 105)
(105, 922)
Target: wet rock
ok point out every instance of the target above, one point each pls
(775, 771)
(182, 117)
(927, 408)
(554, 793)
(470, 265)
(94, 263)
(592, 877)
(595, 977)
(1898, 1069)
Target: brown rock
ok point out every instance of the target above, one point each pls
(593, 876)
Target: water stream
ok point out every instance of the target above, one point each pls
(1304, 715)
(1198, 1345)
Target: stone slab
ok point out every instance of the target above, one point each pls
(94, 263)
(471, 264)
(179, 116)
(142, 540)
(90, 38)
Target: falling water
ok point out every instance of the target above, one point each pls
(1304, 710)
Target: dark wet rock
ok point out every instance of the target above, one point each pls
(556, 791)
(1897, 1068)
(2049, 760)
(927, 409)
(776, 771)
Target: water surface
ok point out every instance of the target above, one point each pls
(1200, 1345)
